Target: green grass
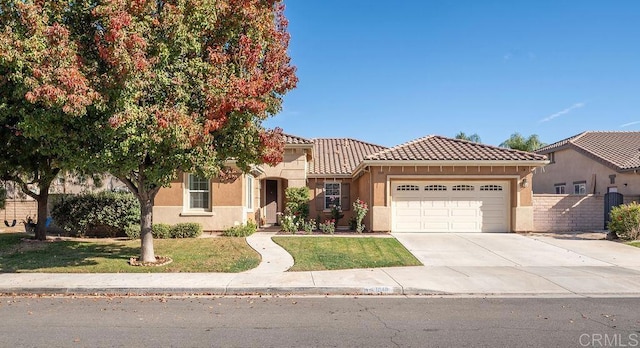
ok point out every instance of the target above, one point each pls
(96, 256)
(635, 244)
(329, 253)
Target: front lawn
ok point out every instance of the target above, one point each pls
(635, 243)
(97, 256)
(329, 253)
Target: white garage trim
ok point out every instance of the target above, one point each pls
(450, 204)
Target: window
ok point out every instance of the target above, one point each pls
(560, 189)
(552, 157)
(491, 188)
(249, 195)
(331, 194)
(407, 188)
(435, 188)
(580, 188)
(199, 192)
(462, 188)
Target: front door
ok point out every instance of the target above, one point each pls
(271, 202)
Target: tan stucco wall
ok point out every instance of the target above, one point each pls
(363, 184)
(571, 166)
(227, 193)
(293, 168)
(219, 219)
(172, 195)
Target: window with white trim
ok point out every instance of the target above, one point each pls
(560, 189)
(198, 192)
(580, 188)
(249, 193)
(332, 193)
(407, 188)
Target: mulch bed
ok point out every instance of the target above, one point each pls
(160, 261)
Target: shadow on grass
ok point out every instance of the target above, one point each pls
(18, 255)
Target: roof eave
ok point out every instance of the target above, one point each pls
(317, 176)
(449, 163)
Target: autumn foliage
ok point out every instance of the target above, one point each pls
(160, 86)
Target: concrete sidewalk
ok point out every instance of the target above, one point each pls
(501, 268)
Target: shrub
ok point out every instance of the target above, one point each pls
(241, 230)
(132, 231)
(97, 214)
(297, 203)
(289, 224)
(161, 231)
(360, 209)
(186, 230)
(625, 220)
(328, 226)
(309, 226)
(336, 213)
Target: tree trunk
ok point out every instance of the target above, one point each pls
(41, 225)
(146, 238)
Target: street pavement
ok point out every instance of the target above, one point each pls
(454, 264)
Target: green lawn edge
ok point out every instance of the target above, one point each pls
(335, 253)
(191, 255)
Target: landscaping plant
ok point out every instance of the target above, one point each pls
(625, 221)
(328, 226)
(243, 230)
(288, 223)
(309, 226)
(112, 212)
(360, 210)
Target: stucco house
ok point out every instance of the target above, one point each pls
(430, 184)
(591, 163)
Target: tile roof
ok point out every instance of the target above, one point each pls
(438, 148)
(620, 150)
(295, 140)
(339, 156)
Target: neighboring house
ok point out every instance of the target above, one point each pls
(431, 184)
(591, 163)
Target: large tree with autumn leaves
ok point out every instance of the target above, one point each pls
(164, 86)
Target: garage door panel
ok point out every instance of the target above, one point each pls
(451, 207)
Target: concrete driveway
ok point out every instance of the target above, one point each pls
(509, 263)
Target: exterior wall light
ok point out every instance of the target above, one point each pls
(524, 183)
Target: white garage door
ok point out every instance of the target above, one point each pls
(467, 206)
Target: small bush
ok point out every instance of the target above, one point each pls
(132, 231)
(297, 199)
(328, 226)
(161, 231)
(241, 230)
(289, 223)
(96, 214)
(186, 230)
(309, 226)
(625, 221)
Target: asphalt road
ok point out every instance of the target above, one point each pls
(318, 322)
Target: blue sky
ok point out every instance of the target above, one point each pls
(388, 72)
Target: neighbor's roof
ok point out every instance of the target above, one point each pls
(619, 150)
(438, 148)
(339, 156)
(295, 140)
